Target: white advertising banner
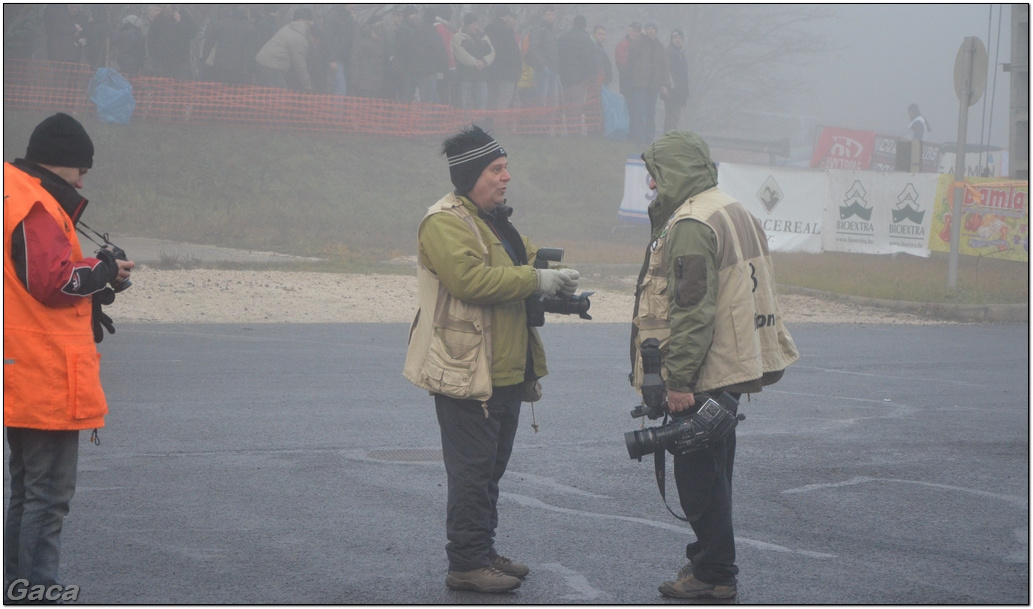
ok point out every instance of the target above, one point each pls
(812, 211)
(879, 213)
(637, 194)
(788, 202)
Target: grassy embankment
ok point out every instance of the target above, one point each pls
(356, 200)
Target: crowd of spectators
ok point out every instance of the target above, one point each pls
(486, 61)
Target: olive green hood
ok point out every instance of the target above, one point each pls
(681, 165)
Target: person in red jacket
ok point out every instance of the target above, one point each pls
(52, 318)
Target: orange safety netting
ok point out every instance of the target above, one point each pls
(49, 85)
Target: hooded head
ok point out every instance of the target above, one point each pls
(681, 165)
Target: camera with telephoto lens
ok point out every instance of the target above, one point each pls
(538, 305)
(714, 419)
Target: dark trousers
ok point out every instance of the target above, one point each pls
(704, 480)
(476, 450)
(642, 115)
(43, 470)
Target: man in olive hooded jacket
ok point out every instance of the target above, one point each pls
(472, 348)
(707, 293)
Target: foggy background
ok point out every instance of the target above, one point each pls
(894, 55)
(758, 70)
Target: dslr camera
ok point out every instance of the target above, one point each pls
(686, 432)
(111, 249)
(538, 305)
(119, 285)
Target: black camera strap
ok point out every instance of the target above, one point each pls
(660, 469)
(103, 236)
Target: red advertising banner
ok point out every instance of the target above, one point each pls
(843, 149)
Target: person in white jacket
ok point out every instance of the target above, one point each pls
(473, 53)
(281, 62)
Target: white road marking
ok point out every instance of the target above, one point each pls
(762, 545)
(585, 591)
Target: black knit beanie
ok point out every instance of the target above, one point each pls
(60, 141)
(468, 153)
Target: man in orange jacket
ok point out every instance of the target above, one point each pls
(52, 317)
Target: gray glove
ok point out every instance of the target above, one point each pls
(568, 289)
(552, 282)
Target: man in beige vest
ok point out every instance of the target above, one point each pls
(472, 348)
(707, 293)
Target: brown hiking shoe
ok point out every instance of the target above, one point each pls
(509, 567)
(690, 587)
(485, 579)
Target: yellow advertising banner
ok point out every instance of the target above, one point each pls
(994, 218)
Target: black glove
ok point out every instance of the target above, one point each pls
(107, 257)
(100, 319)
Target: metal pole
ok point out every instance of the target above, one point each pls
(959, 166)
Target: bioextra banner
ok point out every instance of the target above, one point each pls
(994, 218)
(788, 202)
(879, 213)
(843, 149)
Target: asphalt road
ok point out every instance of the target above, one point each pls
(294, 464)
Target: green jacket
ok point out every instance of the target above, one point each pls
(451, 255)
(706, 290)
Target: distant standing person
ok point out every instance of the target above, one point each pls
(130, 46)
(473, 53)
(602, 60)
(543, 56)
(504, 72)
(64, 32)
(168, 42)
(578, 71)
(230, 37)
(647, 63)
(918, 126)
(283, 61)
(678, 94)
(621, 55)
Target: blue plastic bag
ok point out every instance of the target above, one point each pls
(113, 96)
(615, 115)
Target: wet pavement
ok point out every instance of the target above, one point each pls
(294, 464)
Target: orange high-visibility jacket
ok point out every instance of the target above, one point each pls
(51, 364)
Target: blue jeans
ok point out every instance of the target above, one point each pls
(547, 87)
(43, 469)
(476, 450)
(339, 86)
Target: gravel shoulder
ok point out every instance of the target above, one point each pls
(239, 296)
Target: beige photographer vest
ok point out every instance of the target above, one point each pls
(750, 341)
(449, 340)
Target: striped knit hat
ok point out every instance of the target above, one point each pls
(468, 153)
